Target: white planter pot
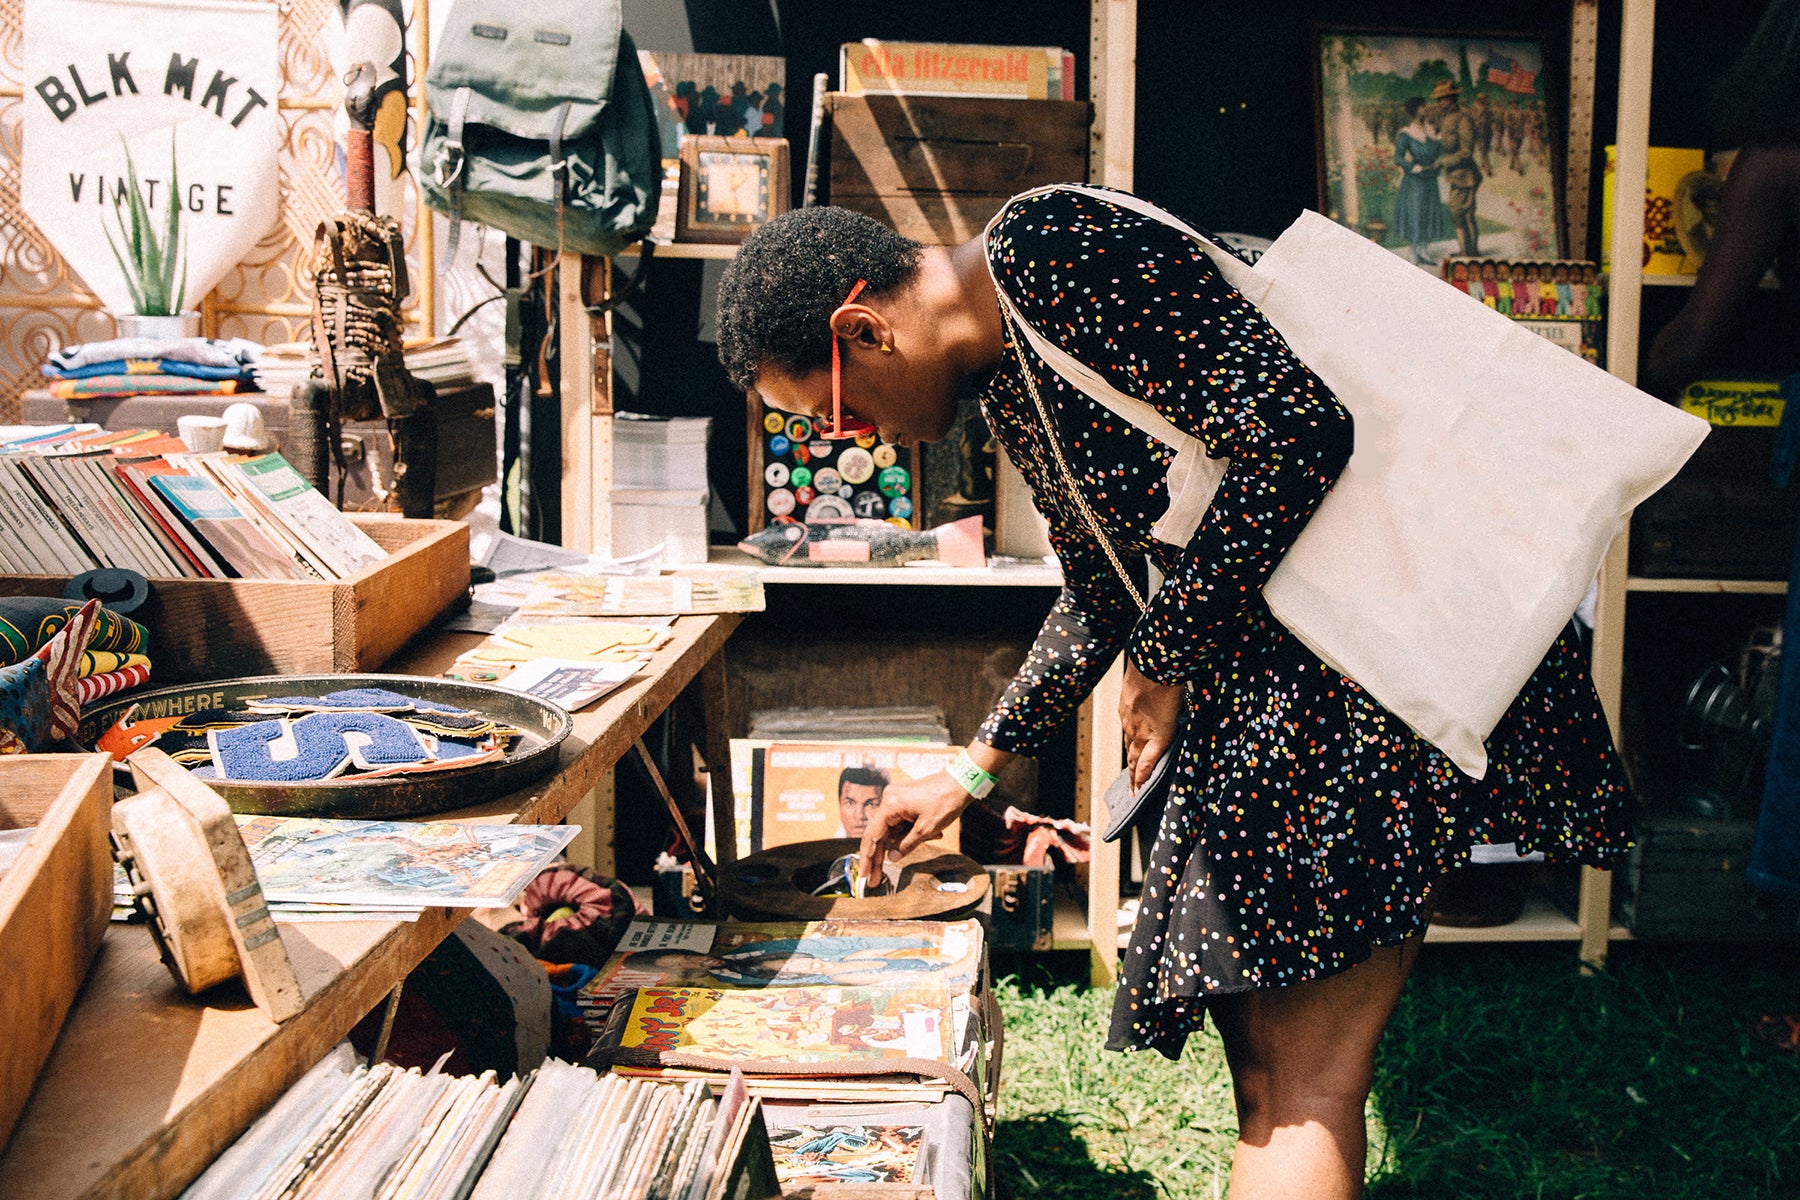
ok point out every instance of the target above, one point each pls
(182, 325)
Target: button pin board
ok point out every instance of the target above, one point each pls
(796, 474)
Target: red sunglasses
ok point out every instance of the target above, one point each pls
(842, 427)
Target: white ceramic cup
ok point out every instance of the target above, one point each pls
(201, 433)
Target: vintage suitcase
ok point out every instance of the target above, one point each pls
(1685, 881)
(1721, 517)
(936, 168)
(466, 434)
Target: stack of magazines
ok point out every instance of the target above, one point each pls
(867, 1041)
(78, 500)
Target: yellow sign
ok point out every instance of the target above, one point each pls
(1737, 402)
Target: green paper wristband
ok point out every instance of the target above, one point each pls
(975, 781)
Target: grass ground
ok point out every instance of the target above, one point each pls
(1506, 1073)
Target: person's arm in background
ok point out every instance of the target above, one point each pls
(1760, 207)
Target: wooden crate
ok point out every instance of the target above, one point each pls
(54, 905)
(1685, 881)
(937, 168)
(204, 629)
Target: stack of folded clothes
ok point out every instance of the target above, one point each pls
(151, 366)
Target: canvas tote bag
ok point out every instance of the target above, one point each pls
(1491, 472)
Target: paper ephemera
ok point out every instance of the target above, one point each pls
(618, 596)
(399, 862)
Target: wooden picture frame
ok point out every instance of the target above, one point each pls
(1380, 166)
(729, 186)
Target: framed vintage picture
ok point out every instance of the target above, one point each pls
(729, 186)
(1439, 144)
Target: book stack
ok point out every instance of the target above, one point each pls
(442, 362)
(866, 1040)
(660, 489)
(138, 501)
(283, 367)
(560, 1131)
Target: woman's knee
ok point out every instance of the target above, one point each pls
(1279, 1089)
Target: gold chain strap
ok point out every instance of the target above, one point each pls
(1062, 463)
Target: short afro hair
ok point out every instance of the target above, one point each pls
(777, 296)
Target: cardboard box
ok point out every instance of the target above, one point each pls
(203, 629)
(937, 168)
(55, 901)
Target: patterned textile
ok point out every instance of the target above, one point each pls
(1305, 823)
(28, 622)
(39, 704)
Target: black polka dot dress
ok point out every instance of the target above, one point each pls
(1305, 822)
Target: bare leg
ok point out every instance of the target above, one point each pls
(1302, 1059)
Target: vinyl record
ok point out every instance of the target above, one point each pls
(777, 884)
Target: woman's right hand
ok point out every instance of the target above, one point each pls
(910, 815)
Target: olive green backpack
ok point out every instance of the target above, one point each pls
(541, 125)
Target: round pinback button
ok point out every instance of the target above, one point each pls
(801, 453)
(867, 441)
(869, 504)
(800, 476)
(779, 445)
(780, 502)
(828, 508)
(900, 506)
(776, 474)
(856, 464)
(803, 495)
(774, 422)
(885, 455)
(821, 450)
(899, 522)
(799, 428)
(846, 491)
(894, 481)
(827, 480)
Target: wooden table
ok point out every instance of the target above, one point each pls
(147, 1085)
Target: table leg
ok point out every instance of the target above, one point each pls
(716, 711)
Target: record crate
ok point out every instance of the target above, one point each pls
(55, 901)
(205, 629)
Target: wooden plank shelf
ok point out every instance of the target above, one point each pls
(1741, 587)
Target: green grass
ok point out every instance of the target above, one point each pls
(1507, 1073)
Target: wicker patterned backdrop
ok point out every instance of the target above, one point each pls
(42, 303)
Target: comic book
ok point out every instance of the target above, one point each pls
(802, 1024)
(930, 1144)
(750, 955)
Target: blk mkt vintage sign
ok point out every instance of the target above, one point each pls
(191, 83)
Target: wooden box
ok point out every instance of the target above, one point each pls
(1685, 881)
(55, 901)
(204, 629)
(937, 168)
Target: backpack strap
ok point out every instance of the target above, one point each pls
(559, 170)
(450, 168)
